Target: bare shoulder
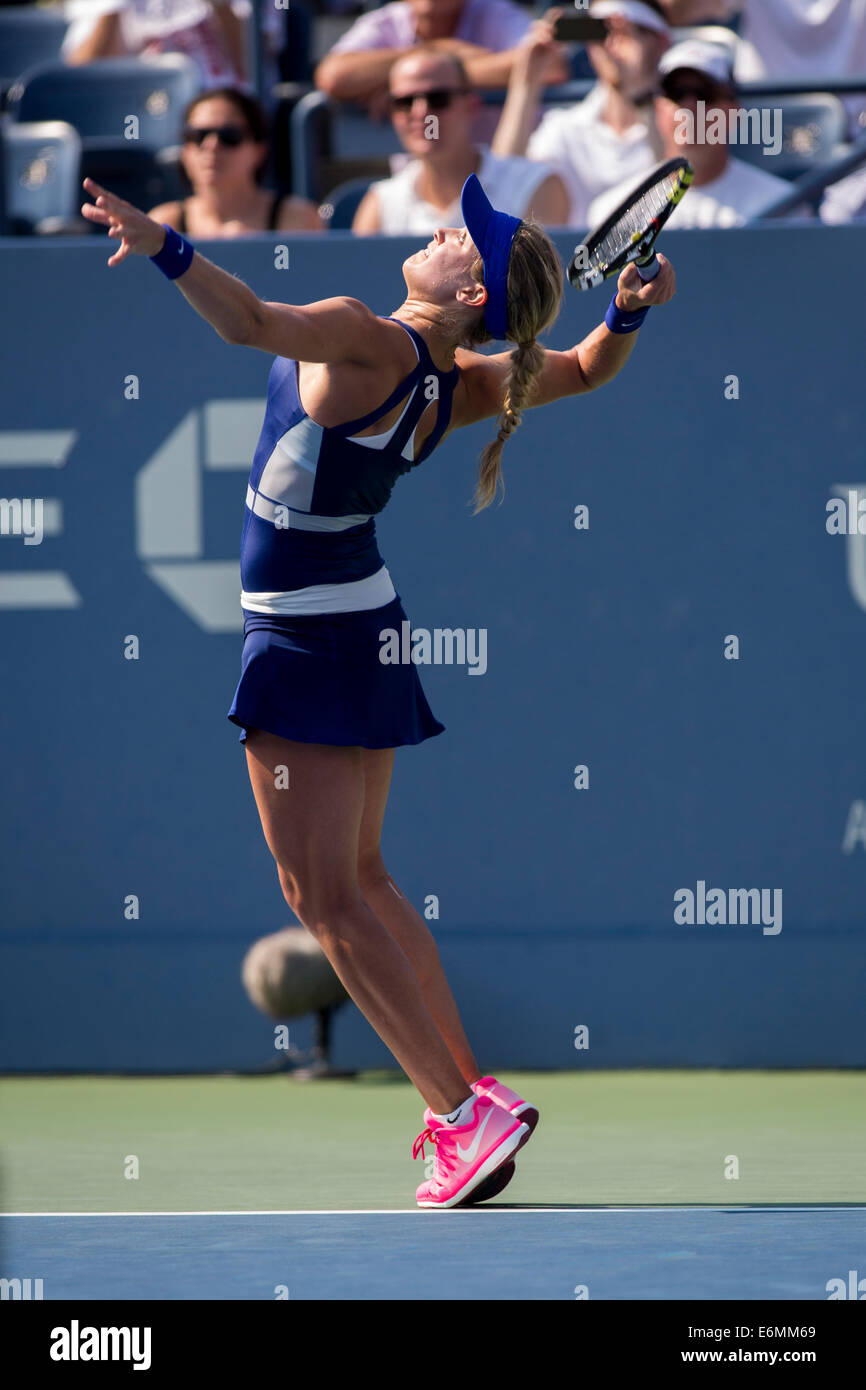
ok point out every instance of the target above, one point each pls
(479, 391)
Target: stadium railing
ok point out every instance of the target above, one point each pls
(811, 185)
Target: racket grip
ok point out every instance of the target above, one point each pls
(650, 270)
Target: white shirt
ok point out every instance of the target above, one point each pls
(845, 201)
(804, 38)
(508, 182)
(738, 194)
(190, 27)
(588, 153)
(493, 24)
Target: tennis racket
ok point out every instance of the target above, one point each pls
(629, 234)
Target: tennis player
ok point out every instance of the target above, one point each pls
(354, 400)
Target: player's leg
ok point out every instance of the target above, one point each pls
(403, 921)
(311, 827)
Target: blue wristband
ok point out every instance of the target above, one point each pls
(176, 253)
(618, 321)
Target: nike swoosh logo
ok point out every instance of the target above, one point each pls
(467, 1155)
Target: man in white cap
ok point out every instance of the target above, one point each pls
(790, 38)
(608, 136)
(696, 111)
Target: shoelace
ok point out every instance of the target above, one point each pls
(444, 1162)
(418, 1146)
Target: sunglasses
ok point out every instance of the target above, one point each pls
(229, 136)
(437, 99)
(707, 92)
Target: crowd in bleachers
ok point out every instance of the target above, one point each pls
(231, 117)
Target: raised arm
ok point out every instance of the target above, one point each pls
(332, 330)
(536, 62)
(356, 75)
(589, 364)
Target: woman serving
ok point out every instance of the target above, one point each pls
(354, 400)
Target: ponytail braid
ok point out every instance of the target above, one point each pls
(526, 362)
(534, 294)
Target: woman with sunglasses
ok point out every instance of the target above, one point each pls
(355, 400)
(225, 150)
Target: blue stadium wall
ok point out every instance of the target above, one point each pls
(605, 649)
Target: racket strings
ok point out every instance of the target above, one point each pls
(636, 222)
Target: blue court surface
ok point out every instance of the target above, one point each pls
(514, 1253)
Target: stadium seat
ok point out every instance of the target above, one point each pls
(40, 166)
(98, 98)
(813, 133)
(343, 200)
(140, 174)
(28, 36)
(332, 142)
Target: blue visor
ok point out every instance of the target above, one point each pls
(493, 232)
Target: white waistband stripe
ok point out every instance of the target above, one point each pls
(353, 597)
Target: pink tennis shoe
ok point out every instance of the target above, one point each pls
(465, 1156)
(511, 1101)
(508, 1099)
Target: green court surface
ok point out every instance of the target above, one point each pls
(268, 1143)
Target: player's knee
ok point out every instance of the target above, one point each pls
(371, 870)
(321, 904)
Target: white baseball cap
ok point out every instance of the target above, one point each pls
(632, 10)
(710, 59)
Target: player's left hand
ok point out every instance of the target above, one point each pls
(634, 294)
(138, 233)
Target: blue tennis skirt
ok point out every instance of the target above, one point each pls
(317, 678)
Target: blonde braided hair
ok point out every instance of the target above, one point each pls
(534, 294)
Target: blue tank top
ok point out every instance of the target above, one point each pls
(309, 538)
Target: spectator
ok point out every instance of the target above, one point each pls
(802, 38)
(225, 151)
(845, 201)
(483, 33)
(608, 136)
(433, 112)
(210, 32)
(790, 38)
(726, 192)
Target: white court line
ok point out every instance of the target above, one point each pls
(419, 1211)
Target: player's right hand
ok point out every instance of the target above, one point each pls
(633, 293)
(138, 233)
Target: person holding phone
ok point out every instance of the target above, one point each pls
(607, 137)
(483, 33)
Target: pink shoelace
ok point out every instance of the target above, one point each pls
(444, 1161)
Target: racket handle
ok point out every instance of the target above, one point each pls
(650, 270)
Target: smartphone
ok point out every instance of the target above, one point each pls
(579, 28)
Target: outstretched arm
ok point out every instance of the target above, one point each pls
(332, 330)
(586, 366)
